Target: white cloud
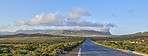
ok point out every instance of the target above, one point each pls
(40, 19)
(86, 28)
(3, 27)
(77, 12)
(73, 19)
(73, 15)
(6, 26)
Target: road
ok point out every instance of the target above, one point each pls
(89, 48)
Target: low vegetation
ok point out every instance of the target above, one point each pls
(38, 46)
(138, 44)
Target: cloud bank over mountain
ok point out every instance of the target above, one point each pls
(73, 19)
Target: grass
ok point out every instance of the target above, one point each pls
(39, 45)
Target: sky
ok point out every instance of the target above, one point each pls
(119, 16)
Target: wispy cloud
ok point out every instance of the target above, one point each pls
(5, 26)
(130, 10)
(75, 13)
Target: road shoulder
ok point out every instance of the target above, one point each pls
(74, 52)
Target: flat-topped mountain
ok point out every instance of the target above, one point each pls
(75, 32)
(60, 32)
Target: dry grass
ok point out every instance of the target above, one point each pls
(14, 44)
(40, 39)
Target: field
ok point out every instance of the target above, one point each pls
(138, 44)
(38, 46)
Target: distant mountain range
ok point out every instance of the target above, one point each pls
(75, 32)
(59, 32)
(28, 31)
(139, 34)
(6, 33)
(68, 32)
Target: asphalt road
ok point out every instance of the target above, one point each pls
(89, 48)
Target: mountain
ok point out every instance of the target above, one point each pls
(20, 31)
(75, 32)
(6, 33)
(139, 34)
(27, 31)
(59, 32)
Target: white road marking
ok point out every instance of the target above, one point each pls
(79, 54)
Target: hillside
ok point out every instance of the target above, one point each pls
(75, 32)
(59, 32)
(138, 34)
(141, 34)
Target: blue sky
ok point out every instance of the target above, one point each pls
(129, 16)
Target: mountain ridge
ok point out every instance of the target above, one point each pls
(59, 32)
(76, 32)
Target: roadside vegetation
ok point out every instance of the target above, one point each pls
(138, 44)
(38, 45)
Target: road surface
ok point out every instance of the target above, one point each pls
(89, 48)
